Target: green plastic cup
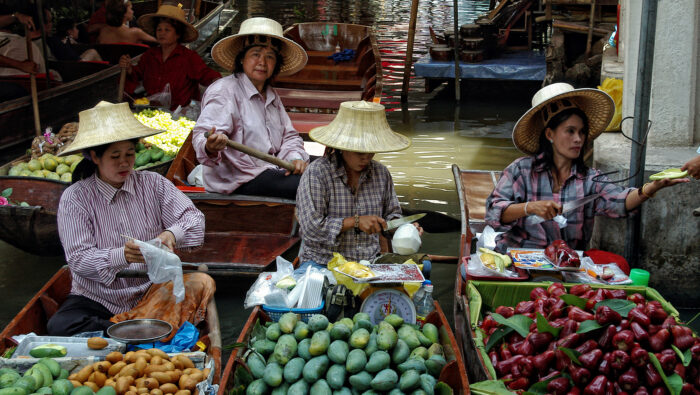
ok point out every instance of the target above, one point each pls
(639, 277)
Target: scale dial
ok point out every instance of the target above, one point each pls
(383, 302)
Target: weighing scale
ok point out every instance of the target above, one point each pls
(384, 296)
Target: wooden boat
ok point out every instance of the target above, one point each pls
(313, 95)
(34, 316)
(244, 234)
(454, 373)
(60, 104)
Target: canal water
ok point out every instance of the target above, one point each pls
(473, 133)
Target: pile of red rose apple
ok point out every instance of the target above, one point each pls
(592, 342)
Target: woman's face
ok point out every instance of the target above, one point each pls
(258, 65)
(116, 163)
(357, 161)
(73, 32)
(568, 138)
(166, 34)
(129, 15)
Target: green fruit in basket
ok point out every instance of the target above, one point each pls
(669, 173)
(384, 380)
(338, 351)
(285, 349)
(37, 174)
(340, 331)
(25, 173)
(360, 381)
(75, 164)
(379, 360)
(319, 343)
(303, 349)
(8, 379)
(22, 165)
(315, 368)
(62, 169)
(273, 332)
(409, 380)
(413, 363)
(293, 368)
(14, 171)
(434, 365)
(431, 332)
(156, 154)
(301, 331)
(67, 177)
(360, 338)
(360, 316)
(48, 351)
(143, 158)
(394, 319)
(167, 158)
(256, 365)
(335, 377)
(34, 165)
(53, 176)
(50, 164)
(318, 322)
(320, 387)
(140, 147)
(400, 352)
(427, 383)
(264, 347)
(288, 321)
(273, 374)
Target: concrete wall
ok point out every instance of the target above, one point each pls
(670, 245)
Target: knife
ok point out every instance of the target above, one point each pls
(568, 206)
(395, 223)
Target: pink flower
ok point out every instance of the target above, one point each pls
(4, 202)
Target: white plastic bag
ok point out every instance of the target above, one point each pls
(161, 99)
(265, 290)
(406, 240)
(163, 266)
(195, 178)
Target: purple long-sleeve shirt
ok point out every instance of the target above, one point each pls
(235, 108)
(522, 181)
(93, 216)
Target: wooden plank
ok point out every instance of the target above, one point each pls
(579, 28)
(496, 10)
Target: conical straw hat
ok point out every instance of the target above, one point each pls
(360, 126)
(225, 51)
(176, 13)
(598, 106)
(107, 123)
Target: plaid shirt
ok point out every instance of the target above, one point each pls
(521, 182)
(324, 199)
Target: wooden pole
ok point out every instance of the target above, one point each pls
(590, 30)
(257, 154)
(122, 82)
(409, 51)
(32, 82)
(458, 73)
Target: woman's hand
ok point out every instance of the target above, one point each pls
(299, 167)
(168, 239)
(215, 142)
(371, 224)
(546, 209)
(420, 230)
(657, 185)
(132, 253)
(693, 167)
(125, 63)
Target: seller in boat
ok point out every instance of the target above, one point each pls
(118, 14)
(170, 62)
(244, 108)
(554, 134)
(346, 197)
(107, 201)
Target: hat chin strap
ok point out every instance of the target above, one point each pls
(554, 107)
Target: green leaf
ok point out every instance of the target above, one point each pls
(588, 325)
(573, 300)
(6, 193)
(622, 306)
(572, 354)
(258, 332)
(670, 384)
(242, 377)
(233, 345)
(544, 326)
(489, 387)
(519, 322)
(674, 383)
(497, 336)
(540, 387)
(686, 357)
(693, 319)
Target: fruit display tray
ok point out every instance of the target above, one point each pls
(76, 346)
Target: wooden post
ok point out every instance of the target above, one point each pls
(409, 51)
(590, 29)
(122, 81)
(32, 82)
(458, 73)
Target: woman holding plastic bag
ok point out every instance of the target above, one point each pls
(107, 201)
(527, 202)
(345, 197)
(169, 65)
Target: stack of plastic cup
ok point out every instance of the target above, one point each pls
(639, 277)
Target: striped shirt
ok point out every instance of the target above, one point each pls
(324, 199)
(235, 108)
(521, 183)
(92, 216)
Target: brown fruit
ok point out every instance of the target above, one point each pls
(96, 343)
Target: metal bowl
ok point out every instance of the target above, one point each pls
(139, 331)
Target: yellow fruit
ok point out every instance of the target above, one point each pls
(50, 164)
(53, 176)
(25, 173)
(46, 172)
(14, 171)
(34, 165)
(38, 174)
(74, 164)
(66, 177)
(60, 159)
(22, 165)
(62, 168)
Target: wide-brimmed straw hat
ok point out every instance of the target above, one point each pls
(107, 123)
(259, 31)
(549, 101)
(360, 126)
(148, 22)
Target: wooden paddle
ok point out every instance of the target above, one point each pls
(257, 154)
(122, 81)
(32, 82)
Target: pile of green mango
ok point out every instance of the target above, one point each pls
(47, 166)
(146, 157)
(44, 377)
(350, 356)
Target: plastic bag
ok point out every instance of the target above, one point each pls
(595, 273)
(161, 99)
(265, 290)
(337, 261)
(487, 238)
(613, 87)
(195, 177)
(477, 268)
(163, 266)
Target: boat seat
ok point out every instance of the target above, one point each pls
(320, 83)
(316, 99)
(303, 122)
(112, 52)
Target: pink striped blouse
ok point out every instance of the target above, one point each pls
(92, 216)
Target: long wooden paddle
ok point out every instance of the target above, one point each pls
(257, 154)
(122, 81)
(32, 82)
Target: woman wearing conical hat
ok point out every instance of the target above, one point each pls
(243, 107)
(170, 62)
(554, 133)
(345, 197)
(106, 200)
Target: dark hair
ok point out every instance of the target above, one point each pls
(63, 26)
(86, 168)
(238, 63)
(546, 147)
(177, 25)
(115, 11)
